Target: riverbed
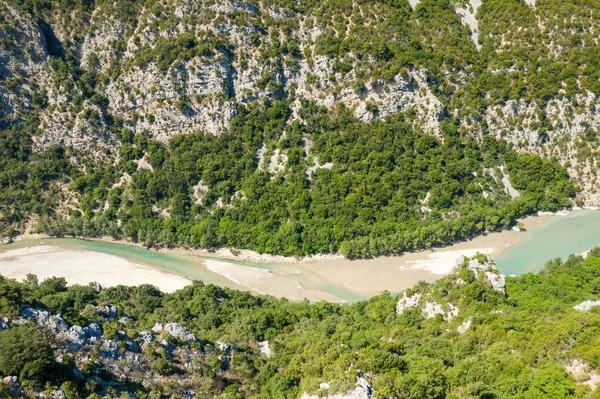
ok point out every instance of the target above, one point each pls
(321, 278)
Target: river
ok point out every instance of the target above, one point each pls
(558, 237)
(83, 261)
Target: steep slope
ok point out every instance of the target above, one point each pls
(471, 334)
(118, 84)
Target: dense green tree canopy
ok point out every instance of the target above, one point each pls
(515, 345)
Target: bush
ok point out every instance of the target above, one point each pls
(26, 353)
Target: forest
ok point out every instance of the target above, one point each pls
(516, 344)
(391, 188)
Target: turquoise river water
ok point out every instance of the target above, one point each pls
(559, 237)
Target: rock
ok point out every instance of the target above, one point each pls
(175, 330)
(44, 320)
(109, 350)
(4, 323)
(80, 336)
(432, 309)
(222, 346)
(407, 302)
(107, 312)
(13, 387)
(264, 348)
(464, 326)
(76, 336)
(362, 391)
(147, 338)
(586, 305)
(57, 394)
(489, 270)
(498, 281)
(93, 330)
(189, 394)
(583, 373)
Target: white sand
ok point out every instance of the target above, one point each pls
(264, 281)
(84, 267)
(292, 278)
(442, 263)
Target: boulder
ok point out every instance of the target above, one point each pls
(362, 391)
(44, 319)
(175, 330)
(586, 305)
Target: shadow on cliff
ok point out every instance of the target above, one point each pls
(53, 46)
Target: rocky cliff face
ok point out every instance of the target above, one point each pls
(186, 66)
(199, 93)
(564, 128)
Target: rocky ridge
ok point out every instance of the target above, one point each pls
(128, 361)
(202, 92)
(431, 302)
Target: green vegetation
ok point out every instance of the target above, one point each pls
(370, 203)
(28, 181)
(337, 184)
(27, 354)
(373, 200)
(517, 344)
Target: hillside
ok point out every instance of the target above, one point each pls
(473, 334)
(295, 128)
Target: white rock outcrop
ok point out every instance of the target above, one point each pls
(464, 326)
(44, 320)
(448, 312)
(489, 270)
(467, 15)
(175, 330)
(583, 373)
(362, 391)
(407, 302)
(586, 305)
(264, 348)
(430, 308)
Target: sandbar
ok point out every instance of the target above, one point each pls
(266, 281)
(84, 267)
(368, 277)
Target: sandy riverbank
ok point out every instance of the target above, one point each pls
(265, 281)
(369, 277)
(314, 278)
(83, 267)
(245, 255)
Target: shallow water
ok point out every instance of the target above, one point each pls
(559, 237)
(189, 266)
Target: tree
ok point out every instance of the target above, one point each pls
(26, 353)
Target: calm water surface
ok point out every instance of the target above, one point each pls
(189, 266)
(559, 237)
